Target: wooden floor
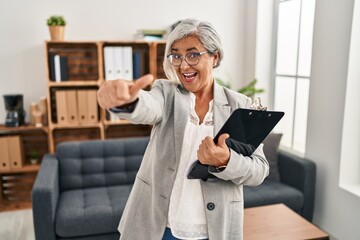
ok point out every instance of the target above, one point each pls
(16, 225)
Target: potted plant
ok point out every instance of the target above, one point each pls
(34, 157)
(249, 90)
(57, 27)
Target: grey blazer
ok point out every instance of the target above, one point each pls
(166, 107)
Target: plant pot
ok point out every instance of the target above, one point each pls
(33, 161)
(57, 33)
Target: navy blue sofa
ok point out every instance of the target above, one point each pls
(81, 190)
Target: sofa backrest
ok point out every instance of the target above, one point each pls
(87, 164)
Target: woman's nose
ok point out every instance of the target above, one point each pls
(184, 65)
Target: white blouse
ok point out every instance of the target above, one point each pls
(187, 219)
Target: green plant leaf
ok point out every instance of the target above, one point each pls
(222, 83)
(56, 20)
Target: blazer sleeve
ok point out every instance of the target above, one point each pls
(149, 109)
(243, 170)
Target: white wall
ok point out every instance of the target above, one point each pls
(350, 151)
(23, 31)
(259, 47)
(265, 52)
(336, 210)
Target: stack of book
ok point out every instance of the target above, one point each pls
(58, 67)
(151, 34)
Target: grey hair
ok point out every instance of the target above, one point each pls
(206, 34)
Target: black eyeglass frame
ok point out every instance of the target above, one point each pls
(186, 56)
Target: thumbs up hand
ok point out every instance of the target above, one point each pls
(213, 154)
(116, 93)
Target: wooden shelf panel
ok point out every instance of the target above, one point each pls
(24, 128)
(77, 126)
(27, 168)
(117, 122)
(75, 84)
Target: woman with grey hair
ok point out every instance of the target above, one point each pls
(186, 112)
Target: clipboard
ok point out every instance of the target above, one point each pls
(248, 126)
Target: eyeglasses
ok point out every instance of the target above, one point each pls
(191, 58)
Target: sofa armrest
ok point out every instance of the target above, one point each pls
(45, 194)
(299, 173)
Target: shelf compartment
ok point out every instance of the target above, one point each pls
(82, 59)
(16, 187)
(75, 134)
(127, 130)
(160, 51)
(33, 139)
(54, 110)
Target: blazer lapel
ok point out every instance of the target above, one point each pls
(222, 108)
(181, 111)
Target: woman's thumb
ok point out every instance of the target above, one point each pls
(141, 83)
(222, 138)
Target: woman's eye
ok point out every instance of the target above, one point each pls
(176, 56)
(193, 55)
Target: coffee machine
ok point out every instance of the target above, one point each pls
(14, 106)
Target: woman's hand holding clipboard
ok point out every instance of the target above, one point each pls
(247, 129)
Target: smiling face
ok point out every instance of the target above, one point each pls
(197, 79)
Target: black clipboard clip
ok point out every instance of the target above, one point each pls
(256, 105)
(245, 127)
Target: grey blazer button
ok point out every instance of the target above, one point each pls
(210, 206)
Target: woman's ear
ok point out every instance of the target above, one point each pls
(216, 59)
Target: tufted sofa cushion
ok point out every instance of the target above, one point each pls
(90, 211)
(273, 192)
(96, 164)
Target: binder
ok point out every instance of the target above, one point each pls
(4, 155)
(71, 107)
(92, 106)
(82, 106)
(61, 68)
(57, 68)
(127, 63)
(119, 62)
(139, 63)
(61, 107)
(109, 63)
(246, 126)
(64, 68)
(16, 152)
(136, 65)
(52, 66)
